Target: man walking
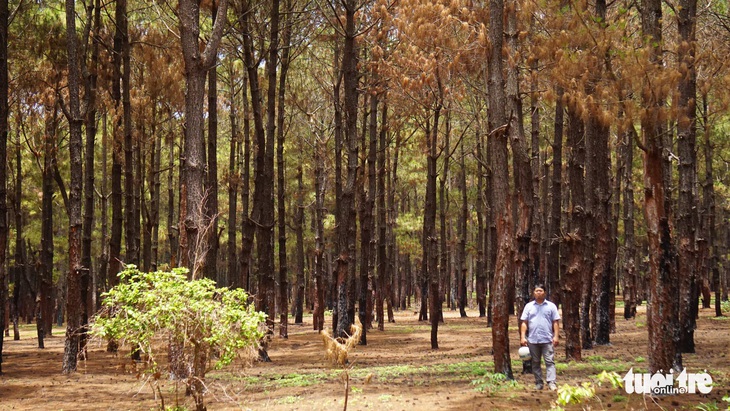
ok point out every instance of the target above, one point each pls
(539, 332)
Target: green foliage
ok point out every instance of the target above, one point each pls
(612, 377)
(708, 406)
(149, 308)
(569, 394)
(493, 382)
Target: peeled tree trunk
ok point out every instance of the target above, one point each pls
(662, 308)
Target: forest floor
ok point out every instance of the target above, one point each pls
(397, 370)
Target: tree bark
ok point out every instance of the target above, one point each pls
(524, 190)
(572, 279)
(662, 308)
(90, 78)
(708, 199)
(556, 189)
(234, 180)
(481, 273)
(211, 186)
(4, 15)
(281, 187)
(346, 222)
(299, 290)
(498, 131)
(197, 64)
(74, 292)
(630, 281)
(688, 203)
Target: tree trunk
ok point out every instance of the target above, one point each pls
(262, 217)
(173, 230)
(572, 279)
(662, 308)
(299, 232)
(197, 63)
(629, 270)
(367, 227)
(554, 248)
(281, 190)
(242, 279)
(391, 177)
(524, 190)
(346, 222)
(211, 186)
(74, 292)
(708, 200)
(430, 280)
(460, 268)
(383, 267)
(498, 131)
(131, 233)
(481, 273)
(4, 15)
(687, 218)
(45, 278)
(90, 77)
(234, 179)
(319, 210)
(444, 251)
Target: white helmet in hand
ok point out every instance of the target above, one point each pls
(524, 353)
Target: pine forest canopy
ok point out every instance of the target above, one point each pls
(365, 156)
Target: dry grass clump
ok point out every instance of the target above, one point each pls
(336, 349)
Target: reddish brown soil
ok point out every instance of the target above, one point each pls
(397, 370)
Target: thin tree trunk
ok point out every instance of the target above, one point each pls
(4, 15)
(346, 222)
(430, 280)
(74, 291)
(115, 239)
(281, 190)
(211, 186)
(629, 271)
(234, 177)
(444, 252)
(262, 217)
(383, 267)
(461, 269)
(498, 130)
(197, 64)
(45, 286)
(687, 218)
(131, 233)
(173, 230)
(662, 308)
(299, 232)
(367, 228)
(524, 190)
(708, 198)
(553, 259)
(103, 278)
(319, 210)
(90, 77)
(572, 279)
(481, 273)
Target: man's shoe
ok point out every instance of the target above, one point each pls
(552, 386)
(538, 387)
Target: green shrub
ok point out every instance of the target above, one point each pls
(197, 322)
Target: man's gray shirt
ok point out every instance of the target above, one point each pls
(540, 319)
